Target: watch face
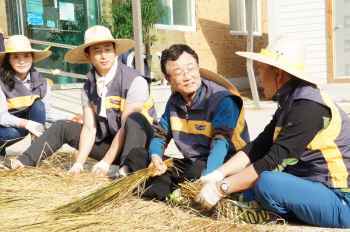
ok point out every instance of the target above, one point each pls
(224, 187)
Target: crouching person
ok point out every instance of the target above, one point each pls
(205, 118)
(117, 108)
(299, 164)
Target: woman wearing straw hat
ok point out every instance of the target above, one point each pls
(308, 139)
(25, 99)
(117, 108)
(204, 116)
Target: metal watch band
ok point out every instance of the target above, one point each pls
(224, 182)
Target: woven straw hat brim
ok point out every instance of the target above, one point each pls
(77, 55)
(214, 77)
(218, 79)
(38, 54)
(268, 60)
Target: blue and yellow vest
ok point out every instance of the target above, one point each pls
(115, 101)
(20, 99)
(192, 128)
(326, 159)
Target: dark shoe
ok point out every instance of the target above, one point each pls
(238, 212)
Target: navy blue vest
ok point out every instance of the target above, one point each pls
(192, 128)
(20, 99)
(115, 101)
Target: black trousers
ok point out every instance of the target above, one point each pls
(160, 186)
(138, 132)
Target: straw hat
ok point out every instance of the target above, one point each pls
(214, 77)
(20, 43)
(94, 35)
(286, 53)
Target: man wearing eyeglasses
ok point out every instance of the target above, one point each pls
(205, 119)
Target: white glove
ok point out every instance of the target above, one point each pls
(100, 169)
(208, 196)
(211, 177)
(76, 169)
(35, 128)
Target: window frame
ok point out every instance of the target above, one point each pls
(180, 27)
(255, 33)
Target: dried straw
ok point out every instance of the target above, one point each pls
(28, 197)
(114, 192)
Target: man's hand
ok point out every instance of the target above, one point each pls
(100, 169)
(208, 196)
(35, 128)
(211, 177)
(76, 169)
(158, 162)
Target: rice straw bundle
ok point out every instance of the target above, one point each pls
(189, 189)
(112, 193)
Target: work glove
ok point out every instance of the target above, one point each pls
(35, 128)
(211, 177)
(76, 169)
(208, 196)
(76, 118)
(100, 169)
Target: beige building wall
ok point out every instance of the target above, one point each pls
(212, 41)
(3, 20)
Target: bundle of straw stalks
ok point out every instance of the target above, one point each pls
(28, 197)
(113, 193)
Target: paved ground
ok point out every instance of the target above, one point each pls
(68, 102)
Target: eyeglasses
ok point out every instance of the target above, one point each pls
(190, 71)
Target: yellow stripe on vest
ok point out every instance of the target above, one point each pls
(93, 106)
(148, 105)
(191, 126)
(115, 102)
(325, 143)
(237, 140)
(17, 102)
(277, 131)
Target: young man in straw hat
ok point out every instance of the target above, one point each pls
(112, 99)
(205, 118)
(300, 163)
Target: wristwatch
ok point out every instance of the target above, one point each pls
(225, 187)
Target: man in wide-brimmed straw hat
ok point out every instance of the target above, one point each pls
(205, 118)
(117, 106)
(308, 139)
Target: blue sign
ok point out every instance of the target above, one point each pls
(35, 6)
(35, 18)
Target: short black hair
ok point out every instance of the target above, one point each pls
(173, 53)
(87, 49)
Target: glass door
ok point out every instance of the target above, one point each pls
(60, 24)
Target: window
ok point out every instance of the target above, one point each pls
(239, 20)
(180, 15)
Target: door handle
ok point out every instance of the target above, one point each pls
(56, 30)
(337, 27)
(71, 31)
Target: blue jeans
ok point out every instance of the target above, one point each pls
(309, 201)
(36, 113)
